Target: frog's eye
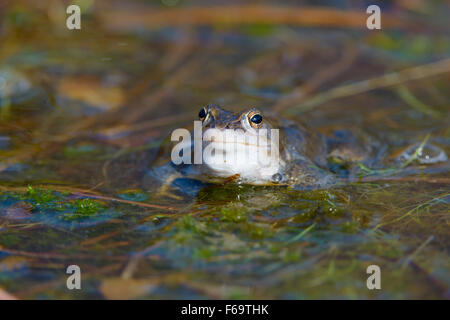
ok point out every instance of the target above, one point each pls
(202, 114)
(255, 119)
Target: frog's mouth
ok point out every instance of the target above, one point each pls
(252, 156)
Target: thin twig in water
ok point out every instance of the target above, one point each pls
(57, 256)
(302, 234)
(416, 208)
(140, 204)
(434, 180)
(415, 103)
(435, 283)
(412, 255)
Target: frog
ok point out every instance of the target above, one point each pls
(305, 160)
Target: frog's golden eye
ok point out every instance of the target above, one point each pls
(255, 119)
(202, 114)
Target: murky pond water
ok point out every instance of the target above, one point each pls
(83, 114)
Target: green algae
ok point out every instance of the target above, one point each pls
(40, 198)
(82, 209)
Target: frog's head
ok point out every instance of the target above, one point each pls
(239, 144)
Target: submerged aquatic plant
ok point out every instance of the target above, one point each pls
(47, 201)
